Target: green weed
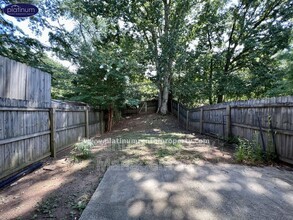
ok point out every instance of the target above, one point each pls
(47, 207)
(82, 150)
(252, 152)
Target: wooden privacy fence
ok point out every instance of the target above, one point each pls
(70, 123)
(21, 82)
(266, 121)
(30, 134)
(32, 126)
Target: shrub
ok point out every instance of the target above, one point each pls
(82, 150)
(251, 152)
(233, 140)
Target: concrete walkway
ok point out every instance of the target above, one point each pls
(203, 191)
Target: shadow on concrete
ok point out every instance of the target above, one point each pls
(205, 191)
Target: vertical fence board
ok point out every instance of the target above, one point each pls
(243, 122)
(30, 134)
(21, 82)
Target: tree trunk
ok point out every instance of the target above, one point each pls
(165, 95)
(210, 78)
(167, 61)
(159, 101)
(220, 98)
(170, 99)
(210, 82)
(110, 118)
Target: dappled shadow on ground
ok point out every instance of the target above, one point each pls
(57, 190)
(156, 139)
(205, 191)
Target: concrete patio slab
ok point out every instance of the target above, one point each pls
(205, 191)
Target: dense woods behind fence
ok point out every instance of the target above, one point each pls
(268, 122)
(146, 107)
(32, 126)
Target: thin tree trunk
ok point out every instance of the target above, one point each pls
(159, 101)
(210, 77)
(110, 118)
(230, 52)
(220, 98)
(211, 87)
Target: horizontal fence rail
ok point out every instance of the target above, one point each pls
(29, 135)
(32, 125)
(268, 122)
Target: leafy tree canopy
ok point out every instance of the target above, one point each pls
(196, 51)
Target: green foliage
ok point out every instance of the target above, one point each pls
(232, 140)
(169, 149)
(283, 85)
(125, 39)
(126, 51)
(232, 50)
(82, 150)
(251, 152)
(109, 61)
(140, 89)
(15, 44)
(81, 204)
(47, 207)
(163, 152)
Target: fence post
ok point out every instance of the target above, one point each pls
(201, 121)
(53, 132)
(87, 133)
(187, 114)
(178, 115)
(228, 121)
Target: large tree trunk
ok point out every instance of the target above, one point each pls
(167, 71)
(165, 95)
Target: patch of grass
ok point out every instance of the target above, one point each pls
(163, 152)
(82, 150)
(167, 151)
(174, 144)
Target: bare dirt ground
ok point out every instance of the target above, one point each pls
(62, 188)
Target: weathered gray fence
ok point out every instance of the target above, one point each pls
(72, 122)
(267, 121)
(30, 134)
(21, 82)
(24, 137)
(32, 126)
